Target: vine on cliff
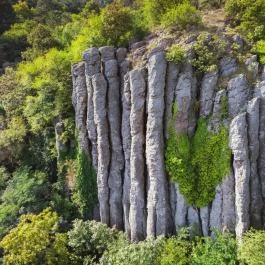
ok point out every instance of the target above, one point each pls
(85, 195)
(197, 164)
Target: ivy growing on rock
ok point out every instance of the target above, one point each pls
(199, 163)
(85, 194)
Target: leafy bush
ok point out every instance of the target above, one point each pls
(248, 16)
(198, 164)
(25, 192)
(180, 17)
(143, 253)
(91, 239)
(86, 185)
(208, 49)
(175, 54)
(176, 250)
(259, 48)
(114, 26)
(35, 241)
(251, 250)
(220, 249)
(153, 10)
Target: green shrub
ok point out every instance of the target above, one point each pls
(198, 164)
(25, 192)
(259, 48)
(220, 249)
(114, 26)
(143, 253)
(153, 10)
(208, 49)
(91, 239)
(176, 250)
(180, 17)
(175, 54)
(35, 241)
(85, 195)
(248, 16)
(251, 249)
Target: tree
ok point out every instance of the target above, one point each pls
(251, 250)
(36, 241)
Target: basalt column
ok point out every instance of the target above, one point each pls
(92, 66)
(239, 146)
(111, 72)
(137, 160)
(158, 219)
(100, 100)
(79, 99)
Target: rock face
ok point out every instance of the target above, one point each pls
(137, 169)
(122, 119)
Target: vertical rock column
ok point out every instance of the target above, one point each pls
(239, 146)
(124, 68)
(92, 66)
(126, 138)
(184, 96)
(137, 160)
(207, 93)
(171, 82)
(100, 100)
(111, 71)
(79, 99)
(260, 91)
(158, 219)
(256, 203)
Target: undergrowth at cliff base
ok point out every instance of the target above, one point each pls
(198, 164)
(42, 239)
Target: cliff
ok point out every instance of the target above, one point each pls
(123, 114)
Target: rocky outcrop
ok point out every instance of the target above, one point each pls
(137, 169)
(123, 117)
(241, 166)
(100, 102)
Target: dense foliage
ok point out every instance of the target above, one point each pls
(198, 164)
(41, 239)
(39, 40)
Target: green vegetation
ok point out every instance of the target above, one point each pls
(221, 249)
(175, 54)
(199, 164)
(248, 16)
(85, 195)
(35, 241)
(39, 39)
(41, 239)
(259, 48)
(208, 49)
(251, 250)
(181, 17)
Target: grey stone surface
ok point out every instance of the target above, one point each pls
(256, 203)
(228, 206)
(92, 66)
(238, 94)
(115, 181)
(158, 218)
(205, 216)
(216, 210)
(228, 66)
(126, 142)
(208, 88)
(99, 84)
(79, 99)
(137, 163)
(181, 210)
(239, 145)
